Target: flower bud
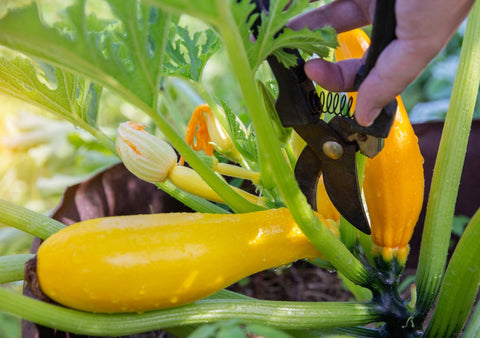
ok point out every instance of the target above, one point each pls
(145, 155)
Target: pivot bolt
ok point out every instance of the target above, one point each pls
(333, 150)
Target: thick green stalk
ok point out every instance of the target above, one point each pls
(301, 315)
(194, 202)
(12, 267)
(28, 221)
(330, 246)
(448, 167)
(459, 286)
(473, 327)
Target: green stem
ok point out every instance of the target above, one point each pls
(232, 198)
(347, 332)
(194, 202)
(473, 327)
(106, 141)
(236, 171)
(459, 286)
(330, 246)
(12, 267)
(28, 221)
(448, 167)
(211, 103)
(347, 230)
(301, 315)
(173, 113)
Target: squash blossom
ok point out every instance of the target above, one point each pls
(154, 160)
(394, 180)
(205, 132)
(145, 155)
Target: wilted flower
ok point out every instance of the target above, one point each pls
(145, 155)
(205, 132)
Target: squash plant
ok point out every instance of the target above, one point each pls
(137, 50)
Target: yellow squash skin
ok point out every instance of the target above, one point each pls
(394, 179)
(144, 262)
(394, 184)
(324, 205)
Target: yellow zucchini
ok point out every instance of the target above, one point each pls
(394, 180)
(394, 185)
(144, 262)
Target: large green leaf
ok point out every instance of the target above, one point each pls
(187, 54)
(53, 89)
(269, 40)
(124, 54)
(206, 10)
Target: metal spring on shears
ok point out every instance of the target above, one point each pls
(339, 104)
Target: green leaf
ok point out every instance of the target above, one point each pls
(188, 55)
(206, 10)
(272, 35)
(283, 134)
(231, 332)
(459, 223)
(123, 54)
(59, 92)
(266, 331)
(243, 139)
(459, 286)
(318, 41)
(204, 331)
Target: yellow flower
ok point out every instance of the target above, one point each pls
(205, 132)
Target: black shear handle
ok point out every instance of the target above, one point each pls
(383, 32)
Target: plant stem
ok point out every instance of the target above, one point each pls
(448, 167)
(301, 315)
(473, 327)
(211, 103)
(28, 221)
(194, 202)
(12, 267)
(347, 230)
(330, 246)
(459, 286)
(232, 198)
(173, 112)
(236, 171)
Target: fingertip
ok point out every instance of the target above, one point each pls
(365, 118)
(332, 76)
(315, 69)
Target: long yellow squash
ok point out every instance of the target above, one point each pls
(394, 180)
(394, 184)
(145, 262)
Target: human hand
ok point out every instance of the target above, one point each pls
(423, 29)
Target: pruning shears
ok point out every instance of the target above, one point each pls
(332, 146)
